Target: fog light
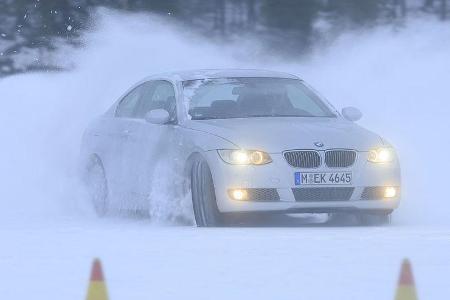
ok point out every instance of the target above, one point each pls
(390, 192)
(238, 194)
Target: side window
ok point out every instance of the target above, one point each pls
(128, 104)
(157, 95)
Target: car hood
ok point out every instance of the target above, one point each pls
(275, 135)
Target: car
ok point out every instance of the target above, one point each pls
(238, 141)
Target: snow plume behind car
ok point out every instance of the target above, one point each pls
(399, 79)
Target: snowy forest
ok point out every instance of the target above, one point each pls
(30, 30)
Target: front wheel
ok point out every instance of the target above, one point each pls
(204, 202)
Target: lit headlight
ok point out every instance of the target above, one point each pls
(381, 155)
(245, 157)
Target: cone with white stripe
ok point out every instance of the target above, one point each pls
(406, 289)
(97, 286)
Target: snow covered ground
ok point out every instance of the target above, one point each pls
(142, 261)
(49, 235)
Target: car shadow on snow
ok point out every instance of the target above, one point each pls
(253, 220)
(291, 220)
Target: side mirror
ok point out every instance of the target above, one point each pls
(157, 116)
(351, 113)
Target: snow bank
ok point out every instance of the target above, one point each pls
(397, 78)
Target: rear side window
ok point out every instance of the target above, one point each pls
(156, 95)
(127, 106)
(146, 97)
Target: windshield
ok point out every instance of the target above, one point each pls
(225, 98)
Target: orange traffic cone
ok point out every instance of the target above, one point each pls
(406, 289)
(97, 287)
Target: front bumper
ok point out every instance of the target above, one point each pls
(279, 175)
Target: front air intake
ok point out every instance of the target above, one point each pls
(322, 194)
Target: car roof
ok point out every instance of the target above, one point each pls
(220, 73)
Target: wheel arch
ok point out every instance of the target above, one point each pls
(88, 161)
(93, 158)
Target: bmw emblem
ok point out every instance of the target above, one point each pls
(319, 144)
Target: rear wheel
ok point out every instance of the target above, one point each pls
(97, 187)
(204, 202)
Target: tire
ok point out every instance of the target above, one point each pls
(97, 187)
(204, 201)
(373, 219)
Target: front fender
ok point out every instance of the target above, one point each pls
(201, 141)
(198, 143)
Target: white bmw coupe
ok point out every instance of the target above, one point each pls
(242, 141)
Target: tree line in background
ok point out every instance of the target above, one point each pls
(30, 29)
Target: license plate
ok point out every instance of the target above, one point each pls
(326, 178)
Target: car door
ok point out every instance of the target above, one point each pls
(117, 160)
(149, 145)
